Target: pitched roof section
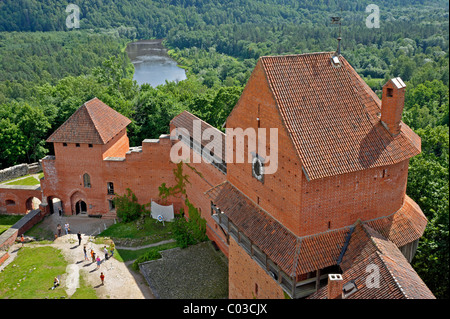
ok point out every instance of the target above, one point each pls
(332, 116)
(397, 279)
(352, 248)
(404, 226)
(186, 120)
(294, 255)
(93, 123)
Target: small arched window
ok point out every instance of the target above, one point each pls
(87, 180)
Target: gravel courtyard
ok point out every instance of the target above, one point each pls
(196, 272)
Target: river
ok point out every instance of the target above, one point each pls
(152, 64)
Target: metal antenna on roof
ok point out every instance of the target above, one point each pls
(337, 20)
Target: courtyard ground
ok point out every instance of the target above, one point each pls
(195, 272)
(120, 281)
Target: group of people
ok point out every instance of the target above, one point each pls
(94, 257)
(92, 253)
(59, 229)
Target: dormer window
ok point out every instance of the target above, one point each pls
(335, 61)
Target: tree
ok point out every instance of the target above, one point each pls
(127, 207)
(428, 185)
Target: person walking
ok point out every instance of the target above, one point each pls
(22, 239)
(66, 228)
(105, 250)
(99, 261)
(93, 255)
(85, 253)
(102, 278)
(79, 238)
(60, 212)
(59, 229)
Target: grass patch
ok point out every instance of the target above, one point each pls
(31, 274)
(84, 291)
(139, 231)
(41, 233)
(127, 254)
(27, 181)
(6, 221)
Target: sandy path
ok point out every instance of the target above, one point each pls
(120, 282)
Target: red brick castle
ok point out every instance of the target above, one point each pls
(333, 221)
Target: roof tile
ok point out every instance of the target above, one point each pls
(93, 123)
(332, 116)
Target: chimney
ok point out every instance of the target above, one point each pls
(334, 287)
(392, 103)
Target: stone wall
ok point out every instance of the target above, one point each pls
(19, 170)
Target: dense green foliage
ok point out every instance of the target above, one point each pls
(128, 208)
(46, 76)
(189, 231)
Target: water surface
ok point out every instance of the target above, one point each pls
(152, 64)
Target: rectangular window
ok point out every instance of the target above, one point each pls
(110, 186)
(390, 92)
(64, 144)
(77, 144)
(90, 145)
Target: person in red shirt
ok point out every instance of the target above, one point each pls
(102, 278)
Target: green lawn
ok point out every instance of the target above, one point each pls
(127, 254)
(6, 221)
(149, 232)
(27, 181)
(31, 274)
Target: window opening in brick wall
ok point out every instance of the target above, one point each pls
(87, 180)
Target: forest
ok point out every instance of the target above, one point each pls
(48, 70)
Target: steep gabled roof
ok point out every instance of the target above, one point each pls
(370, 254)
(332, 116)
(93, 123)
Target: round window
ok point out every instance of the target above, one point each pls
(257, 168)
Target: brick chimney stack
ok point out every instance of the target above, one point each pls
(335, 286)
(392, 103)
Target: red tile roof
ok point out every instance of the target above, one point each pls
(353, 248)
(294, 255)
(404, 226)
(93, 123)
(397, 279)
(186, 120)
(332, 116)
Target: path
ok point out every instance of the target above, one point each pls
(120, 281)
(147, 246)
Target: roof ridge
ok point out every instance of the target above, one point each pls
(186, 111)
(296, 54)
(383, 256)
(90, 118)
